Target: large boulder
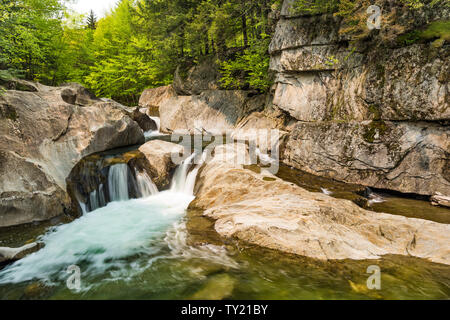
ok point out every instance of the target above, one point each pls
(371, 107)
(406, 157)
(152, 98)
(264, 210)
(42, 137)
(215, 111)
(159, 155)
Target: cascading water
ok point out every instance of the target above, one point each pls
(118, 182)
(101, 241)
(145, 185)
(181, 175)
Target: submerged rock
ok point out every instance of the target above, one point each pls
(42, 137)
(218, 287)
(285, 217)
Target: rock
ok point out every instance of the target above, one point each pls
(438, 199)
(372, 112)
(215, 111)
(308, 30)
(218, 287)
(193, 80)
(74, 93)
(282, 216)
(19, 85)
(42, 137)
(152, 98)
(13, 254)
(406, 157)
(159, 155)
(144, 121)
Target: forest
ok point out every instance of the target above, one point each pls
(138, 45)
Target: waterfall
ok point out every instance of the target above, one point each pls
(118, 182)
(183, 180)
(180, 176)
(146, 187)
(158, 122)
(157, 132)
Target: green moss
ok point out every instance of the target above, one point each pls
(437, 30)
(375, 110)
(374, 128)
(409, 38)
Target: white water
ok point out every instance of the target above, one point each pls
(156, 133)
(326, 191)
(146, 187)
(100, 241)
(118, 182)
(181, 175)
(374, 197)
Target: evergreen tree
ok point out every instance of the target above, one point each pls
(92, 20)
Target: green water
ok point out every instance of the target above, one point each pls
(232, 270)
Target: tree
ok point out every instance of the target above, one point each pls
(92, 20)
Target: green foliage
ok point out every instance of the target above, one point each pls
(139, 44)
(29, 33)
(315, 6)
(248, 69)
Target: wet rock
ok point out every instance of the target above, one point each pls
(42, 137)
(144, 121)
(13, 254)
(438, 199)
(218, 287)
(282, 216)
(159, 155)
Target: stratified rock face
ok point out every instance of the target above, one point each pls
(159, 155)
(321, 79)
(42, 137)
(269, 212)
(408, 157)
(215, 111)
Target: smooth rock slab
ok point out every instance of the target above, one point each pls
(282, 216)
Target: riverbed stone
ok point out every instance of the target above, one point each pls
(160, 155)
(282, 216)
